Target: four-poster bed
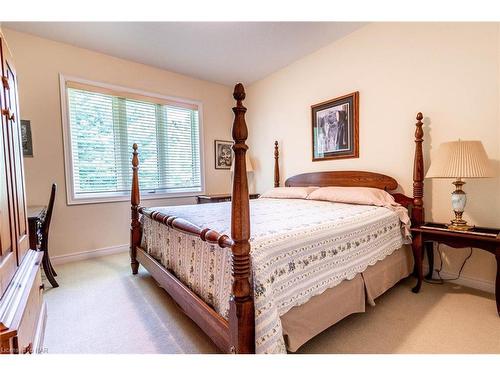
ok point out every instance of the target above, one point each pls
(235, 333)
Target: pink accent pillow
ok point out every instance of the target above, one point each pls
(367, 196)
(354, 195)
(289, 192)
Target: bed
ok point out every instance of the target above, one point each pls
(256, 292)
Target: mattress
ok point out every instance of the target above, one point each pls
(299, 249)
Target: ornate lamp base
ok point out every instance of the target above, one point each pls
(458, 201)
(459, 227)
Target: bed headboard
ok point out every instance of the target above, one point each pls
(343, 178)
(369, 179)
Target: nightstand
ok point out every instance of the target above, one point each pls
(424, 235)
(214, 198)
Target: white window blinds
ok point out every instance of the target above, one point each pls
(103, 127)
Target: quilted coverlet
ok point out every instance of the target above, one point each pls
(299, 248)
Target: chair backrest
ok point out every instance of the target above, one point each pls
(48, 217)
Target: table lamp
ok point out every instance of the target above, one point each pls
(248, 164)
(458, 160)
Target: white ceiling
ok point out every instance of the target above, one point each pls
(223, 52)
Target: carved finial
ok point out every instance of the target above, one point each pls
(240, 131)
(239, 92)
(135, 158)
(419, 133)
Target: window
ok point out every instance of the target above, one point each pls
(101, 123)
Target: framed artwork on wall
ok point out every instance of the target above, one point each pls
(26, 138)
(335, 128)
(223, 154)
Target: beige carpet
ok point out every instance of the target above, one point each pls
(101, 308)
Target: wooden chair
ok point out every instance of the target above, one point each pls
(50, 273)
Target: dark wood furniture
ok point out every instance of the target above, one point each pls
(215, 198)
(236, 335)
(487, 239)
(22, 310)
(39, 219)
(276, 165)
(36, 216)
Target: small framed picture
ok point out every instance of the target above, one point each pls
(223, 154)
(335, 128)
(26, 138)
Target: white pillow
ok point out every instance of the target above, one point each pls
(289, 192)
(355, 195)
(366, 196)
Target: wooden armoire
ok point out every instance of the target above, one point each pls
(22, 310)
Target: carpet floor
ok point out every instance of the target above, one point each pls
(101, 308)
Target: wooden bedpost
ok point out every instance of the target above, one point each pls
(276, 165)
(417, 214)
(135, 200)
(241, 305)
(418, 174)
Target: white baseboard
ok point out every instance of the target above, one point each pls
(471, 282)
(89, 254)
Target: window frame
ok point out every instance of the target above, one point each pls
(94, 198)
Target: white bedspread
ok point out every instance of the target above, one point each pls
(299, 248)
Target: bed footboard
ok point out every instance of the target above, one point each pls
(236, 335)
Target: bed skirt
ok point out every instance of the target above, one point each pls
(347, 298)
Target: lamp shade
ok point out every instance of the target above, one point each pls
(248, 163)
(460, 159)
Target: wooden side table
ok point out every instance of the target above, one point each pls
(36, 219)
(214, 198)
(487, 239)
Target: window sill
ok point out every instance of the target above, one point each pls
(126, 198)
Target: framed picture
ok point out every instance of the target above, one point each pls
(26, 138)
(223, 154)
(335, 128)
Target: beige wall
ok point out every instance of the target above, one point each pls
(450, 72)
(39, 61)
